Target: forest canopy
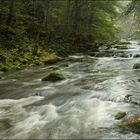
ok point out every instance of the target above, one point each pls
(54, 21)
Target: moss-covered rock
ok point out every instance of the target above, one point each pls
(121, 46)
(136, 66)
(50, 59)
(54, 77)
(132, 124)
(124, 43)
(120, 115)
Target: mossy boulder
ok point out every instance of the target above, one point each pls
(132, 124)
(120, 115)
(54, 77)
(136, 66)
(51, 59)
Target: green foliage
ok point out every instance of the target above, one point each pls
(30, 28)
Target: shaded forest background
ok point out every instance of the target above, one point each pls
(37, 31)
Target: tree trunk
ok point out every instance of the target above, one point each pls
(1, 8)
(66, 27)
(46, 11)
(10, 14)
(76, 21)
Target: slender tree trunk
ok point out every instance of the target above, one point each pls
(36, 47)
(76, 21)
(68, 12)
(46, 19)
(46, 11)
(1, 7)
(66, 27)
(10, 14)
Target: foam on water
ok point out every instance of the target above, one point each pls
(74, 119)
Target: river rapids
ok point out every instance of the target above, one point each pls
(80, 107)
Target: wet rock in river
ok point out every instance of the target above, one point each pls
(92, 53)
(124, 43)
(136, 56)
(120, 115)
(121, 46)
(132, 99)
(127, 96)
(136, 66)
(132, 124)
(5, 124)
(54, 77)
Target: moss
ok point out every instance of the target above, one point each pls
(23, 60)
(4, 68)
(37, 62)
(121, 46)
(133, 127)
(132, 124)
(122, 124)
(32, 65)
(54, 77)
(63, 64)
(52, 61)
(136, 66)
(120, 115)
(50, 58)
(124, 43)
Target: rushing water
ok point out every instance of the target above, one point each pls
(82, 106)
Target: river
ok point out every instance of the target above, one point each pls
(80, 107)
